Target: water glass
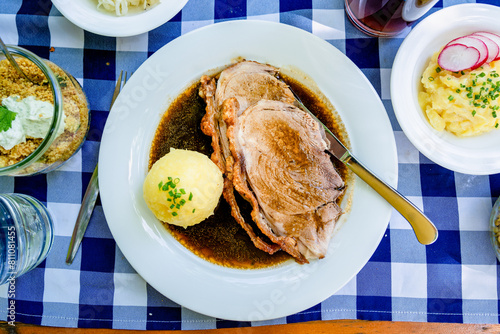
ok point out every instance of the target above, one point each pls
(26, 235)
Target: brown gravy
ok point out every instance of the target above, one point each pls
(220, 239)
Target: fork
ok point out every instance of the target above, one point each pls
(11, 60)
(91, 193)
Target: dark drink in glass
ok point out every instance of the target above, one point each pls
(385, 18)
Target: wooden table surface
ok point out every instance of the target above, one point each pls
(317, 327)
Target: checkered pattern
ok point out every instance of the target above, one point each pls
(453, 280)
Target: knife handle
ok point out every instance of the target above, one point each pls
(424, 229)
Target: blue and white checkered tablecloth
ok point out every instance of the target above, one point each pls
(454, 280)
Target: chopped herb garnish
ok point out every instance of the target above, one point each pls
(61, 81)
(494, 114)
(450, 97)
(473, 113)
(431, 79)
(195, 209)
(6, 118)
(438, 69)
(174, 194)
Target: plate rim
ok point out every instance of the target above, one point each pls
(259, 276)
(122, 26)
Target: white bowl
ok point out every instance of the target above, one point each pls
(86, 15)
(479, 155)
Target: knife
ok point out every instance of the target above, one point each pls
(87, 207)
(83, 216)
(424, 229)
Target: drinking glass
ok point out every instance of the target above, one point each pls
(26, 235)
(385, 18)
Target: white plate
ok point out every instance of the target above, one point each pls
(84, 13)
(476, 155)
(169, 267)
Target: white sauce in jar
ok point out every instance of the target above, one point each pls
(33, 119)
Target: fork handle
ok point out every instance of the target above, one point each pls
(424, 229)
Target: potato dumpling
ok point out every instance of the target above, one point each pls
(183, 187)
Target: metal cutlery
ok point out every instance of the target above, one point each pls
(91, 193)
(11, 59)
(424, 229)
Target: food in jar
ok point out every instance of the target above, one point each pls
(183, 188)
(463, 102)
(18, 92)
(31, 117)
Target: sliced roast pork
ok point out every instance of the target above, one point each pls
(286, 175)
(214, 126)
(272, 153)
(249, 82)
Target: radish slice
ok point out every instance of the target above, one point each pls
(458, 57)
(494, 37)
(475, 43)
(493, 47)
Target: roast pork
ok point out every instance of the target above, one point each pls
(273, 154)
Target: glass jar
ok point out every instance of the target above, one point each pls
(66, 128)
(495, 228)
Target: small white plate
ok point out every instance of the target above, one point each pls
(86, 15)
(174, 271)
(479, 155)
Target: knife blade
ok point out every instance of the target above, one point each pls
(83, 216)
